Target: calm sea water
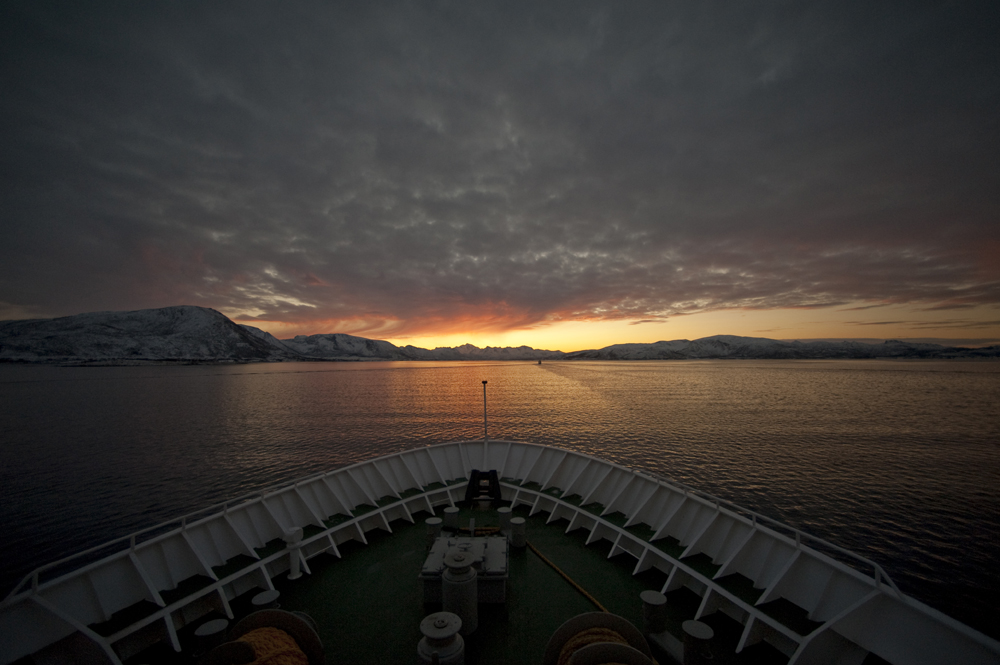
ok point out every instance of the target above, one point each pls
(897, 460)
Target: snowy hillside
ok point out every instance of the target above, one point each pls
(348, 347)
(198, 334)
(269, 339)
(751, 348)
(338, 346)
(470, 352)
(180, 333)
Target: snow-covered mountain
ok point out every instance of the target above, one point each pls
(198, 334)
(269, 339)
(751, 348)
(338, 346)
(470, 352)
(182, 333)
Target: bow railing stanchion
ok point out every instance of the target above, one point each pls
(485, 431)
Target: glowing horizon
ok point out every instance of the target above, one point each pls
(978, 325)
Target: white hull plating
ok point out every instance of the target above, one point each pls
(858, 613)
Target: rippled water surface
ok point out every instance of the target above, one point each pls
(897, 460)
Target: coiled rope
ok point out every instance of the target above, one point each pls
(273, 646)
(589, 635)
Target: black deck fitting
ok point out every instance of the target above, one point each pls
(483, 485)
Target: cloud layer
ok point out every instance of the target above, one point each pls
(391, 169)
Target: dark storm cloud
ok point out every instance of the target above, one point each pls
(497, 165)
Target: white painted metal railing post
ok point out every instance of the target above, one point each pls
(294, 539)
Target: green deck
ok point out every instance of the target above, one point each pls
(368, 605)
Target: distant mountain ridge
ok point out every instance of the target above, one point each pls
(334, 346)
(191, 334)
(338, 346)
(761, 348)
(201, 335)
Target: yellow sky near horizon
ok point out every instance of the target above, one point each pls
(978, 324)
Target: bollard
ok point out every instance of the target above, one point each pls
(518, 534)
(293, 537)
(441, 642)
(451, 518)
(697, 636)
(504, 520)
(433, 530)
(654, 612)
(266, 600)
(459, 589)
(210, 635)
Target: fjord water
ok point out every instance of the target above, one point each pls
(896, 460)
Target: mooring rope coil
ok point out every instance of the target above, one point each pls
(589, 635)
(585, 637)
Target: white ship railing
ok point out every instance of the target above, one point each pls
(879, 573)
(133, 539)
(399, 485)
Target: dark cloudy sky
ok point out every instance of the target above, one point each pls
(426, 170)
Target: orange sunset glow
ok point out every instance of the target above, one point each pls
(976, 327)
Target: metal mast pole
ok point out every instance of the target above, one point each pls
(485, 437)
